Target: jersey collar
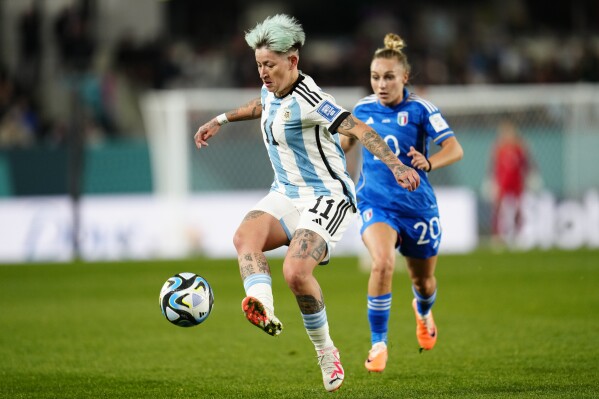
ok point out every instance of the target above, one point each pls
(300, 78)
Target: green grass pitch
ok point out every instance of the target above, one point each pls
(511, 325)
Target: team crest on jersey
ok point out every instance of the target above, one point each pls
(367, 215)
(402, 118)
(328, 111)
(286, 114)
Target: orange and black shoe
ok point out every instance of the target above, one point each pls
(426, 330)
(377, 358)
(260, 316)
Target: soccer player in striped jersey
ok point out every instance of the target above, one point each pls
(312, 199)
(392, 218)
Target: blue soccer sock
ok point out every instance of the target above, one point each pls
(424, 304)
(379, 310)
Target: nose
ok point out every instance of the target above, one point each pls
(262, 72)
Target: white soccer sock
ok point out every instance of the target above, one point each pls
(317, 328)
(320, 337)
(260, 287)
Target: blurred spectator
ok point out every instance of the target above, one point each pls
(515, 42)
(7, 91)
(30, 46)
(72, 29)
(18, 125)
(18, 118)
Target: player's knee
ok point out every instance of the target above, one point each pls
(425, 286)
(295, 277)
(243, 240)
(383, 264)
(238, 240)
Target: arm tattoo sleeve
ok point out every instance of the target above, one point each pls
(251, 110)
(375, 144)
(377, 147)
(348, 124)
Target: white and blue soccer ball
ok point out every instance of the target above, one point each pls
(186, 299)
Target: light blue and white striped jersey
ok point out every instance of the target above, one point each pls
(413, 122)
(300, 134)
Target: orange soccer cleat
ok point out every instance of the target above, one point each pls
(377, 358)
(426, 331)
(260, 316)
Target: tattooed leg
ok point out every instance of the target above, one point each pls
(251, 215)
(308, 304)
(258, 305)
(249, 241)
(306, 250)
(252, 263)
(307, 244)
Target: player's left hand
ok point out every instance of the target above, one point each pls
(406, 177)
(418, 159)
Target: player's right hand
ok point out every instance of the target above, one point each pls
(206, 131)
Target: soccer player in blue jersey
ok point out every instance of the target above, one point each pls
(312, 199)
(392, 218)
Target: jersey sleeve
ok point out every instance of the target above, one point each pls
(436, 126)
(328, 113)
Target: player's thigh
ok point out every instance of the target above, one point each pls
(306, 250)
(329, 218)
(380, 232)
(381, 240)
(259, 231)
(270, 223)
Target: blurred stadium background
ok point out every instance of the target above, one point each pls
(99, 101)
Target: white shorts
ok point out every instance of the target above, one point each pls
(328, 217)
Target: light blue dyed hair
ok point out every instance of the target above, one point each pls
(279, 33)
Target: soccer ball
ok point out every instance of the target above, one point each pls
(186, 299)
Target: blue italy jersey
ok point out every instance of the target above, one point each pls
(413, 122)
(299, 131)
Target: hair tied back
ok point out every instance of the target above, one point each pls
(394, 42)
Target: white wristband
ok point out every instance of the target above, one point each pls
(222, 119)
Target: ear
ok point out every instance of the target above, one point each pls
(406, 76)
(293, 61)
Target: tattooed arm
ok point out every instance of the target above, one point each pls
(355, 129)
(251, 110)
